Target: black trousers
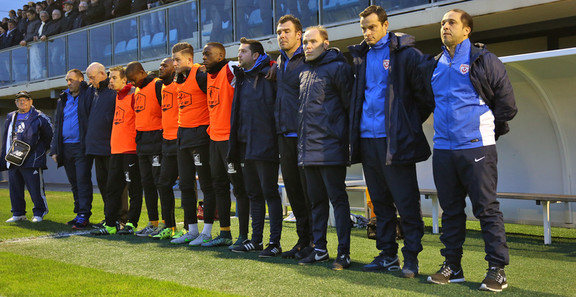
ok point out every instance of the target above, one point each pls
(222, 174)
(471, 172)
(261, 180)
(192, 161)
(295, 184)
(79, 172)
(392, 188)
(150, 175)
(123, 172)
(168, 176)
(326, 185)
(101, 166)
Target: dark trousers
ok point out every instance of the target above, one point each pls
(123, 172)
(261, 181)
(150, 174)
(101, 166)
(79, 172)
(222, 174)
(392, 188)
(326, 185)
(168, 176)
(192, 160)
(471, 172)
(33, 179)
(295, 184)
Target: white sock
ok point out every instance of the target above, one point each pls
(207, 229)
(193, 228)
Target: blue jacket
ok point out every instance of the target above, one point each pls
(252, 120)
(37, 133)
(489, 79)
(325, 86)
(100, 120)
(406, 105)
(57, 145)
(287, 101)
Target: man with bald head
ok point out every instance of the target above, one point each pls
(99, 129)
(148, 108)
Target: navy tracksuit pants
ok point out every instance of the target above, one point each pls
(79, 172)
(295, 184)
(33, 180)
(326, 184)
(392, 188)
(150, 175)
(471, 172)
(167, 179)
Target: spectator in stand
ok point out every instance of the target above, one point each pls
(3, 30)
(38, 9)
(5, 21)
(12, 35)
(31, 28)
(54, 27)
(108, 4)
(19, 14)
(139, 5)
(12, 15)
(121, 8)
(53, 4)
(70, 14)
(80, 20)
(96, 12)
(45, 21)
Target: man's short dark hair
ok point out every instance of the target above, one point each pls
(13, 22)
(291, 18)
(254, 45)
(217, 45)
(121, 71)
(184, 47)
(32, 11)
(465, 18)
(134, 67)
(77, 72)
(378, 10)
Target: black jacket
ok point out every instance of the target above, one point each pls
(53, 28)
(12, 39)
(100, 119)
(95, 13)
(37, 133)
(252, 121)
(68, 20)
(80, 20)
(325, 87)
(287, 101)
(32, 30)
(490, 80)
(84, 99)
(121, 7)
(405, 109)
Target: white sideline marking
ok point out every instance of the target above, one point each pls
(49, 236)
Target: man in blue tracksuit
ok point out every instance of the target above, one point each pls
(253, 142)
(323, 148)
(32, 127)
(68, 146)
(474, 100)
(386, 113)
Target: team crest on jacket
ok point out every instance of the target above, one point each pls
(386, 64)
(464, 68)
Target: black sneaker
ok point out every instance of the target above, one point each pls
(248, 246)
(291, 254)
(383, 263)
(81, 223)
(342, 262)
(495, 280)
(71, 222)
(410, 269)
(303, 253)
(315, 256)
(448, 273)
(99, 225)
(272, 250)
(128, 229)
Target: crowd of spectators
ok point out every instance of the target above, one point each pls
(36, 21)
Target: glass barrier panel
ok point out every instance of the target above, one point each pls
(254, 18)
(216, 21)
(126, 40)
(183, 24)
(390, 5)
(5, 69)
(153, 35)
(20, 64)
(57, 56)
(100, 45)
(38, 69)
(78, 51)
(305, 10)
(342, 10)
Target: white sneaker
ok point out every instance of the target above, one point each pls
(184, 238)
(202, 238)
(16, 219)
(37, 219)
(290, 218)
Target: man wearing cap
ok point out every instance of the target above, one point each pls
(70, 14)
(32, 127)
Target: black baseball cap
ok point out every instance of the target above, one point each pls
(24, 94)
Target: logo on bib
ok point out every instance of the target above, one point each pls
(386, 64)
(464, 68)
